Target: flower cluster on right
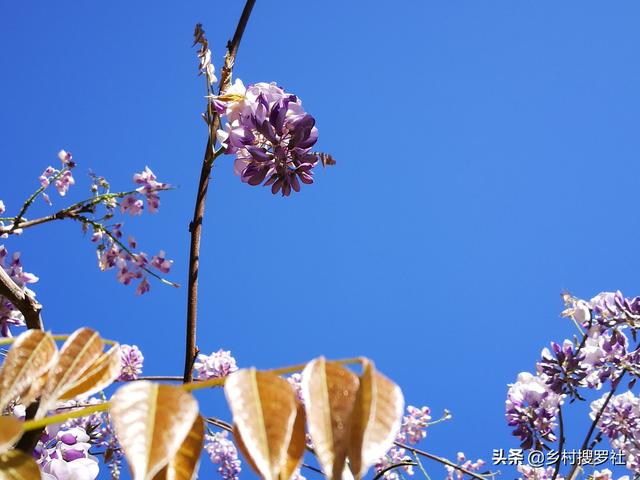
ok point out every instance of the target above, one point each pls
(601, 357)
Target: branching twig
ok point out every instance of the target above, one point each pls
(406, 463)
(34, 195)
(441, 460)
(196, 224)
(587, 438)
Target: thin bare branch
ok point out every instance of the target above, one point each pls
(195, 227)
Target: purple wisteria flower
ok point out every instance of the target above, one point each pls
(412, 431)
(537, 473)
(217, 365)
(9, 315)
(223, 452)
(394, 456)
(563, 368)
(149, 187)
(531, 407)
(62, 179)
(620, 423)
(295, 380)
(66, 456)
(414, 425)
(454, 473)
(270, 134)
(607, 309)
(131, 360)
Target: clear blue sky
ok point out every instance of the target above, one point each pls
(487, 160)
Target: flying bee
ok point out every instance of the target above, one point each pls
(326, 159)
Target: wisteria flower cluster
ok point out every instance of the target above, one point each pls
(469, 465)
(412, 430)
(9, 314)
(532, 408)
(270, 134)
(131, 361)
(62, 178)
(217, 365)
(602, 356)
(223, 452)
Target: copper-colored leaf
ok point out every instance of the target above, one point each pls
(184, 465)
(151, 421)
(104, 371)
(17, 465)
(329, 391)
(77, 355)
(376, 419)
(264, 409)
(297, 445)
(30, 356)
(10, 431)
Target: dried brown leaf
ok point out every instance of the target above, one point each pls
(152, 421)
(77, 355)
(30, 356)
(264, 409)
(17, 465)
(376, 419)
(104, 371)
(10, 432)
(184, 465)
(297, 445)
(329, 391)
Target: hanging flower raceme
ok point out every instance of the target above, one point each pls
(270, 134)
(531, 408)
(9, 314)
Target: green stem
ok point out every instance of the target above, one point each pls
(34, 195)
(57, 338)
(96, 225)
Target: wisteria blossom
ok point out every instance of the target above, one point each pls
(9, 314)
(223, 452)
(531, 408)
(270, 134)
(414, 425)
(62, 179)
(66, 456)
(620, 423)
(131, 360)
(412, 430)
(537, 473)
(217, 365)
(453, 473)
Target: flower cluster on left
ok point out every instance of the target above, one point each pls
(97, 215)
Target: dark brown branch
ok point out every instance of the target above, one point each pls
(556, 470)
(381, 473)
(587, 438)
(27, 305)
(196, 224)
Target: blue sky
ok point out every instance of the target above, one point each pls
(487, 160)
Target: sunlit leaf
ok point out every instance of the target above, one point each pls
(264, 409)
(10, 432)
(376, 419)
(77, 355)
(295, 451)
(30, 356)
(151, 421)
(297, 445)
(17, 465)
(184, 464)
(104, 371)
(329, 391)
